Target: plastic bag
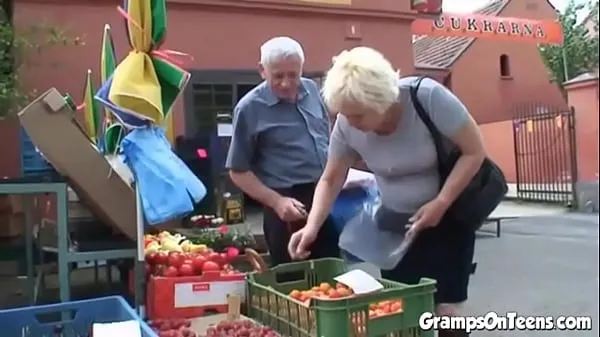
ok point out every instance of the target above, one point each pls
(362, 238)
(168, 189)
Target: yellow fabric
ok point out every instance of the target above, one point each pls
(140, 25)
(170, 128)
(88, 109)
(135, 86)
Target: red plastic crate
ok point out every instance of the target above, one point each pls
(191, 296)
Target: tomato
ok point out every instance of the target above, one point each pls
(159, 269)
(171, 272)
(175, 260)
(150, 258)
(186, 269)
(224, 258)
(216, 258)
(211, 266)
(198, 263)
(161, 258)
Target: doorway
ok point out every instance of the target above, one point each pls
(209, 99)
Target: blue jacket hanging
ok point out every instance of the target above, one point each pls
(168, 188)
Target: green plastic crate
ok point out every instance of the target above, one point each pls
(269, 303)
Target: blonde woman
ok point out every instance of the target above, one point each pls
(378, 123)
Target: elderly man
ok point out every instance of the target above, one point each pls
(279, 148)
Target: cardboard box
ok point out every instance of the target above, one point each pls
(52, 127)
(192, 296)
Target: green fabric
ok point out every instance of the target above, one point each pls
(110, 62)
(112, 137)
(70, 102)
(172, 80)
(159, 22)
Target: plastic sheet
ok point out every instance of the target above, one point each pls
(363, 238)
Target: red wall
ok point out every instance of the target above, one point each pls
(217, 37)
(584, 98)
(500, 145)
(476, 74)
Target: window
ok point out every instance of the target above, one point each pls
(504, 66)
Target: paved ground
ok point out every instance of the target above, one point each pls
(546, 265)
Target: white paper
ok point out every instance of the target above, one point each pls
(127, 328)
(199, 294)
(224, 130)
(360, 282)
(359, 178)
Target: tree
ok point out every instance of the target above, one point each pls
(579, 50)
(15, 48)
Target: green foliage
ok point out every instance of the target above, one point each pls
(580, 49)
(220, 240)
(15, 51)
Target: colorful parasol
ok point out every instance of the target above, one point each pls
(91, 112)
(140, 94)
(112, 130)
(146, 84)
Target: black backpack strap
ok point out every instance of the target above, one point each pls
(433, 130)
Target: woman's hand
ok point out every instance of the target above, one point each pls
(300, 242)
(429, 215)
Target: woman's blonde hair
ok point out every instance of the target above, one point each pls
(361, 75)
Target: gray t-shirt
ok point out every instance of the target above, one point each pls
(404, 162)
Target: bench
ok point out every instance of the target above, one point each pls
(497, 221)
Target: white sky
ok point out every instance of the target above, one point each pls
(466, 6)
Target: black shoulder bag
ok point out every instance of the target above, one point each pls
(482, 195)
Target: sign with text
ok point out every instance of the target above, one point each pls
(486, 26)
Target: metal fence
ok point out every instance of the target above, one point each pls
(546, 165)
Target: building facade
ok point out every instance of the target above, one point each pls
(222, 37)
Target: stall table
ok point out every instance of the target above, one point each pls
(54, 183)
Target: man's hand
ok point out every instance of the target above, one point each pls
(290, 209)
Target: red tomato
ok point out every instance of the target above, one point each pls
(151, 258)
(159, 269)
(161, 258)
(224, 258)
(211, 266)
(186, 269)
(198, 262)
(216, 258)
(175, 260)
(171, 272)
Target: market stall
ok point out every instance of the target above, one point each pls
(122, 163)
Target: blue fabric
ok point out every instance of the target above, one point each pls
(168, 189)
(348, 205)
(125, 117)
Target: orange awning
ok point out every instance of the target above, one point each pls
(493, 27)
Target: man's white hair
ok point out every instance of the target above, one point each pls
(278, 48)
(361, 75)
